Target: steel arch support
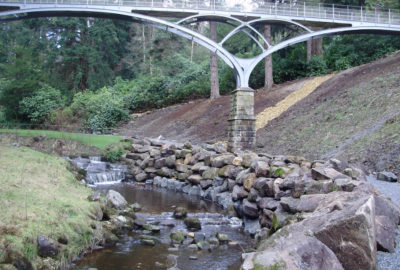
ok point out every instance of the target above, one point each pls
(252, 62)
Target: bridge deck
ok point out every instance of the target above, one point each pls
(304, 12)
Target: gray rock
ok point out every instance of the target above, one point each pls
(295, 253)
(251, 226)
(116, 200)
(195, 179)
(193, 223)
(211, 173)
(178, 237)
(218, 181)
(182, 168)
(238, 193)
(224, 199)
(387, 176)
(250, 209)
(205, 184)
(203, 245)
(170, 161)
(386, 234)
(344, 184)
(159, 163)
(47, 247)
(180, 212)
(321, 173)
(221, 160)
(141, 177)
(261, 168)
(268, 203)
(320, 186)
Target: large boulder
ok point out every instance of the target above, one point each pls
(47, 247)
(349, 233)
(116, 200)
(321, 173)
(387, 176)
(386, 233)
(261, 168)
(295, 252)
(250, 209)
(219, 161)
(248, 180)
(195, 179)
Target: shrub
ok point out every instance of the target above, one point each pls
(41, 104)
(317, 66)
(113, 154)
(101, 110)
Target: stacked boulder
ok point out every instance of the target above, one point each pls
(250, 185)
(311, 213)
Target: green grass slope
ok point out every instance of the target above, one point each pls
(38, 195)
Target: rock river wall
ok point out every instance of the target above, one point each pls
(322, 215)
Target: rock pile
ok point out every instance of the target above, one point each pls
(319, 214)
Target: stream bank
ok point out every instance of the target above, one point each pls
(305, 206)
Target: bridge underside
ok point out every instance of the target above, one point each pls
(241, 131)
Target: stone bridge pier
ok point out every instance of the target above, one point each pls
(242, 122)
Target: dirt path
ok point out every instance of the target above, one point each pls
(275, 111)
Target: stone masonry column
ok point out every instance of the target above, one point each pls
(242, 123)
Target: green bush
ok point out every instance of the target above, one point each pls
(41, 104)
(113, 154)
(101, 110)
(317, 66)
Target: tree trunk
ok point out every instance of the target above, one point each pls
(314, 48)
(214, 64)
(269, 80)
(144, 45)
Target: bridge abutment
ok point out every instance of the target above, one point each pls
(242, 122)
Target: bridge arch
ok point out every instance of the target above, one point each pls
(317, 34)
(182, 31)
(242, 129)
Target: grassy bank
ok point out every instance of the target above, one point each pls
(38, 195)
(358, 121)
(99, 141)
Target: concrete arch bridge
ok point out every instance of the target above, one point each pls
(245, 16)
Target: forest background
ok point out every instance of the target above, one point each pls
(92, 73)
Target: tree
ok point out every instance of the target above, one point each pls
(214, 64)
(269, 80)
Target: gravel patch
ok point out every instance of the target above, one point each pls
(388, 261)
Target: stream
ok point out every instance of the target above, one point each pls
(157, 208)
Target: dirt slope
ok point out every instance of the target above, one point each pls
(353, 116)
(201, 120)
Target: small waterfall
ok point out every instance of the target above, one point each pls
(100, 172)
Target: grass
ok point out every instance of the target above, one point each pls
(99, 141)
(318, 129)
(38, 195)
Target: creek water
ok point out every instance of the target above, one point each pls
(157, 208)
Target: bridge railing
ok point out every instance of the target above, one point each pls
(292, 8)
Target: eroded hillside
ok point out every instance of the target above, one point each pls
(355, 115)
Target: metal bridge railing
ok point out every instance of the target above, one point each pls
(292, 9)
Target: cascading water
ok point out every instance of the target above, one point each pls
(100, 172)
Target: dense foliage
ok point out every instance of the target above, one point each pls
(93, 72)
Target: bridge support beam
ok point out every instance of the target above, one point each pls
(242, 123)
